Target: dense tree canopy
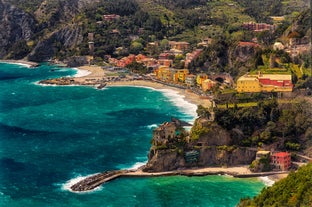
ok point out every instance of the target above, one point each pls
(293, 191)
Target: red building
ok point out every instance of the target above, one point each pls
(281, 160)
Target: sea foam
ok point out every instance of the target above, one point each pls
(137, 165)
(20, 64)
(66, 186)
(267, 181)
(81, 73)
(179, 101)
(152, 126)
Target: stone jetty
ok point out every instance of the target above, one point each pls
(96, 180)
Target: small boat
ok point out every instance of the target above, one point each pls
(102, 85)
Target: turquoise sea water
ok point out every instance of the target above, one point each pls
(51, 135)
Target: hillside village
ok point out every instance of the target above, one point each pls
(234, 58)
(172, 62)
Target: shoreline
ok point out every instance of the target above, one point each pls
(92, 182)
(27, 63)
(187, 95)
(97, 75)
(96, 72)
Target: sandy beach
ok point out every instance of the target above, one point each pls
(238, 170)
(96, 72)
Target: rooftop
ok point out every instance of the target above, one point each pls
(275, 76)
(281, 154)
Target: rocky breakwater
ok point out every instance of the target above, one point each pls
(206, 145)
(95, 181)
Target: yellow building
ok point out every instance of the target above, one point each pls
(181, 74)
(200, 78)
(163, 73)
(265, 82)
(248, 83)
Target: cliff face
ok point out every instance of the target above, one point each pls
(242, 57)
(48, 32)
(65, 38)
(207, 145)
(15, 25)
(169, 159)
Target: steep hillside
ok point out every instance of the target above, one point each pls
(295, 190)
(16, 28)
(41, 30)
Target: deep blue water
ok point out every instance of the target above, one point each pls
(50, 135)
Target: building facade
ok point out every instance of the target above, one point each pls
(164, 133)
(281, 160)
(265, 83)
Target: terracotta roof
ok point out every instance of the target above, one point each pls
(252, 44)
(281, 154)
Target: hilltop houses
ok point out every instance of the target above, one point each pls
(192, 56)
(183, 46)
(258, 27)
(264, 83)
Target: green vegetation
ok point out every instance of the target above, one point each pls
(268, 122)
(197, 131)
(293, 191)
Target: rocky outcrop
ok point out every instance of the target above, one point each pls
(48, 32)
(169, 159)
(216, 136)
(214, 146)
(164, 160)
(15, 25)
(54, 12)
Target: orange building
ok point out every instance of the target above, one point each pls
(164, 74)
(165, 62)
(281, 160)
(148, 61)
(208, 84)
(139, 57)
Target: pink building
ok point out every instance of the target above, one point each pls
(258, 27)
